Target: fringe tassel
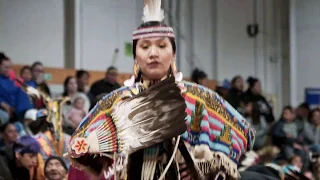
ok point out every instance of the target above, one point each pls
(219, 160)
(117, 166)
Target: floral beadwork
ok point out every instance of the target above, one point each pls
(80, 146)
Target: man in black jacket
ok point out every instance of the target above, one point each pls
(17, 161)
(105, 85)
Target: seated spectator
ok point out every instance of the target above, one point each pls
(55, 169)
(253, 94)
(82, 80)
(105, 85)
(26, 75)
(253, 115)
(302, 113)
(296, 161)
(235, 95)
(9, 134)
(311, 131)
(17, 162)
(38, 77)
(70, 89)
(285, 132)
(200, 77)
(24, 126)
(13, 101)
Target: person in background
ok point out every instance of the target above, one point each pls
(13, 100)
(235, 95)
(311, 131)
(296, 161)
(38, 78)
(70, 89)
(285, 133)
(105, 85)
(55, 169)
(302, 113)
(30, 117)
(17, 162)
(200, 77)
(253, 116)
(253, 94)
(38, 82)
(77, 113)
(26, 75)
(82, 77)
(9, 135)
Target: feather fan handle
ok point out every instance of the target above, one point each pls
(152, 11)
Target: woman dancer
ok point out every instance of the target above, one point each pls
(158, 122)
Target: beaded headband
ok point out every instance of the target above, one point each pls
(155, 31)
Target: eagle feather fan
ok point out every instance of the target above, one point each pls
(152, 116)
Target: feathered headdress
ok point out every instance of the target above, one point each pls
(152, 12)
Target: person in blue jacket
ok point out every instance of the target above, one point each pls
(14, 102)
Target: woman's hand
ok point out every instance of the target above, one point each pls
(185, 173)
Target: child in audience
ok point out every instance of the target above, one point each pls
(77, 112)
(296, 161)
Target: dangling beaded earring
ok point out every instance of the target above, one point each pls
(173, 67)
(135, 70)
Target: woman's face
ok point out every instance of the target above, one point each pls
(257, 87)
(154, 56)
(72, 85)
(83, 80)
(238, 83)
(316, 118)
(26, 75)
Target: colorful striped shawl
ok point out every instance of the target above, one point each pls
(214, 126)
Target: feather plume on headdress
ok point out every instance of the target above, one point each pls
(152, 11)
